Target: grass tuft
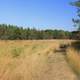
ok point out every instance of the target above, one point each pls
(16, 52)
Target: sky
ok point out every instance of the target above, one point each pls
(40, 14)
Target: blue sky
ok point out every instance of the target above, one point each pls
(41, 14)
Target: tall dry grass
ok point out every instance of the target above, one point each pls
(23, 60)
(73, 58)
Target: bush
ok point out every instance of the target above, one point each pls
(76, 45)
(64, 46)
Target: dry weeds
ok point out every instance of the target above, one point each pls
(73, 57)
(36, 61)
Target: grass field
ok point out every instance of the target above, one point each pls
(36, 60)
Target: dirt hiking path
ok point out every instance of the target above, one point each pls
(52, 66)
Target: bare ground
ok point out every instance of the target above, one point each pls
(51, 67)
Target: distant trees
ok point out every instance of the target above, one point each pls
(11, 32)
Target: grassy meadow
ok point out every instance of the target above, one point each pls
(37, 60)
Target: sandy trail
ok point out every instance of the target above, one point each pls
(51, 67)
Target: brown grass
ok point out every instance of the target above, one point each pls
(73, 57)
(36, 61)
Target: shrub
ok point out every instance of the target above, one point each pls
(63, 47)
(76, 45)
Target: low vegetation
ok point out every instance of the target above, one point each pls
(76, 45)
(16, 52)
(73, 57)
(36, 60)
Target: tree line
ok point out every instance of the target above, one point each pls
(11, 32)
